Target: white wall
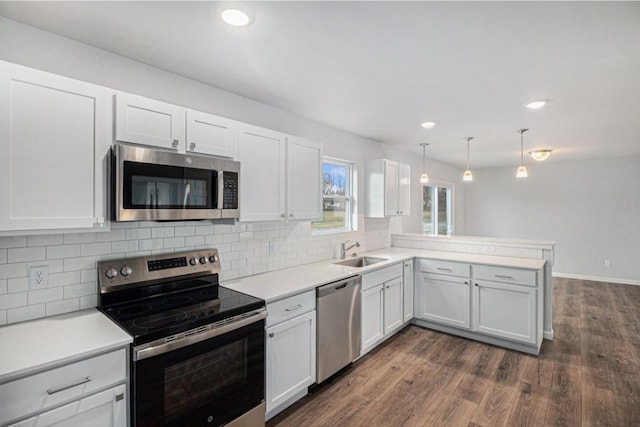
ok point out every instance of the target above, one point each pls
(71, 258)
(591, 208)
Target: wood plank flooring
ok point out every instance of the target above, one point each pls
(588, 376)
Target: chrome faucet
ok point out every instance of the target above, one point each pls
(344, 248)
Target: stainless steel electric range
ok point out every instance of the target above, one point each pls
(197, 357)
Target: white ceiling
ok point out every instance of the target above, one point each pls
(378, 69)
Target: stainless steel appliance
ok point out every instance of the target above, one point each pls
(338, 335)
(198, 351)
(156, 185)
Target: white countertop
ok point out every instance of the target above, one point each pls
(43, 343)
(291, 281)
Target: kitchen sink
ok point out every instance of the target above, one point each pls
(362, 261)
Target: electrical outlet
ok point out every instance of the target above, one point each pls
(272, 248)
(607, 263)
(38, 277)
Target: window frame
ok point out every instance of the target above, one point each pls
(349, 197)
(450, 212)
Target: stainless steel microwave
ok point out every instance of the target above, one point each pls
(154, 185)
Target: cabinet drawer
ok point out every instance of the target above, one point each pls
(445, 267)
(291, 307)
(47, 389)
(374, 278)
(505, 275)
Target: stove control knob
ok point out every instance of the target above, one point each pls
(193, 261)
(203, 260)
(126, 270)
(111, 273)
(212, 258)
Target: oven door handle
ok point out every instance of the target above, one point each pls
(158, 347)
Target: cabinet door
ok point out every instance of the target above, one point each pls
(505, 311)
(304, 179)
(393, 302)
(372, 317)
(149, 122)
(54, 140)
(391, 188)
(262, 176)
(443, 299)
(105, 409)
(291, 358)
(407, 282)
(404, 189)
(209, 134)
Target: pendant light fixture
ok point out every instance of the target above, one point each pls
(424, 178)
(467, 173)
(522, 171)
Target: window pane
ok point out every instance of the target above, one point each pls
(427, 210)
(443, 209)
(334, 180)
(334, 214)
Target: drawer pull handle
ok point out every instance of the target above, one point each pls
(444, 269)
(294, 308)
(503, 276)
(119, 397)
(67, 387)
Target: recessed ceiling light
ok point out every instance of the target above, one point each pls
(540, 155)
(538, 103)
(428, 125)
(236, 17)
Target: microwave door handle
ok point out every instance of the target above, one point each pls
(220, 195)
(187, 190)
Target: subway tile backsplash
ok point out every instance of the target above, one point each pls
(244, 251)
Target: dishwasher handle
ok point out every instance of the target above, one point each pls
(340, 285)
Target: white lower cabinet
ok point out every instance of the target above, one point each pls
(290, 355)
(382, 306)
(505, 311)
(407, 283)
(500, 305)
(105, 409)
(443, 299)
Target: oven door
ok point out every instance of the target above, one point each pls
(209, 383)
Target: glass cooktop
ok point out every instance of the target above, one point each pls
(165, 315)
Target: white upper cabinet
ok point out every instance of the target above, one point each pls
(387, 188)
(262, 174)
(55, 135)
(149, 122)
(304, 179)
(209, 134)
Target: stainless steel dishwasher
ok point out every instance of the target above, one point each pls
(338, 335)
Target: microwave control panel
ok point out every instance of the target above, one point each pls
(229, 190)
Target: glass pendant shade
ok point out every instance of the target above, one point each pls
(467, 176)
(522, 172)
(424, 178)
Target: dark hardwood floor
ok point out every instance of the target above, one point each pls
(589, 375)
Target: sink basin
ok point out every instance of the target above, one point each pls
(362, 261)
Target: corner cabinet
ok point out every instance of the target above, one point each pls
(495, 304)
(382, 306)
(387, 188)
(290, 351)
(55, 135)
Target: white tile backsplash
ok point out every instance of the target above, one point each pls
(243, 248)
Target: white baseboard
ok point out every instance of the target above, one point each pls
(596, 278)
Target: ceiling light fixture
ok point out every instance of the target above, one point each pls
(522, 171)
(537, 104)
(236, 17)
(428, 125)
(540, 155)
(467, 174)
(424, 178)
